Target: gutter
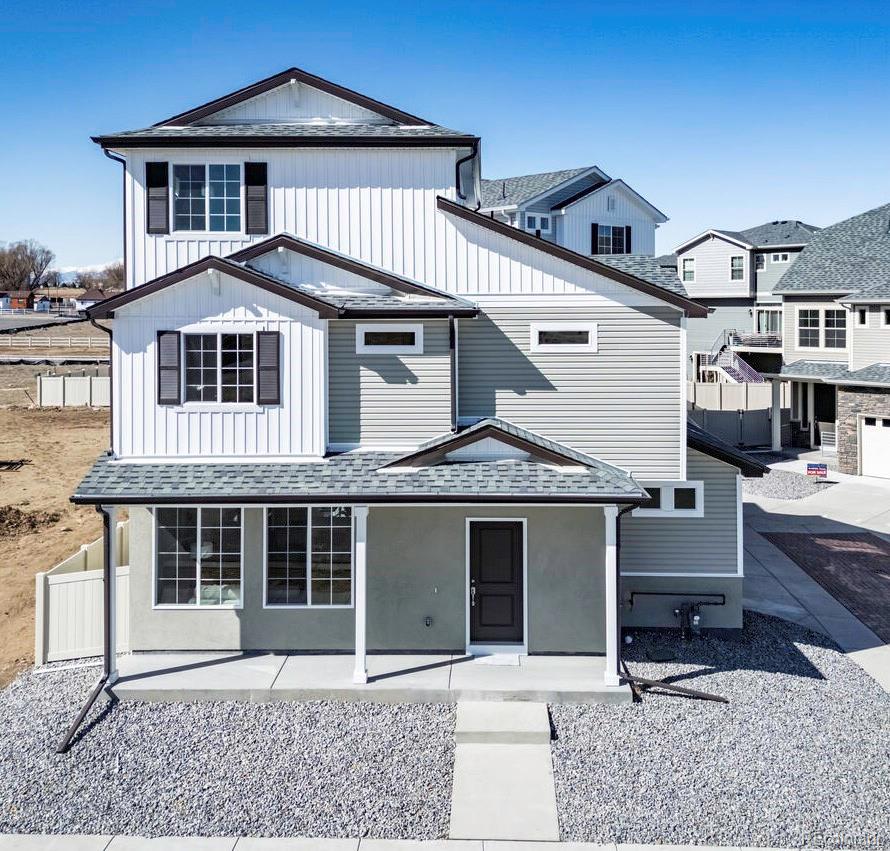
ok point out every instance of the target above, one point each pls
(452, 356)
(123, 163)
(474, 152)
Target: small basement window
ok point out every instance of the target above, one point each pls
(563, 337)
(673, 499)
(389, 339)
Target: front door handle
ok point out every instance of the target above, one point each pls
(472, 596)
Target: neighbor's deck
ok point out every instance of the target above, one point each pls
(391, 678)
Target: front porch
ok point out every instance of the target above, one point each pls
(392, 678)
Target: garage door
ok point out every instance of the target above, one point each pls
(876, 447)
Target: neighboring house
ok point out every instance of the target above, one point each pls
(836, 342)
(352, 412)
(21, 300)
(4, 301)
(735, 273)
(88, 298)
(580, 208)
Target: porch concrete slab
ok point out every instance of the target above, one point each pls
(197, 676)
(256, 843)
(162, 843)
(509, 722)
(503, 792)
(47, 842)
(875, 661)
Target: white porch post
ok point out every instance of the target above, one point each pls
(610, 676)
(111, 594)
(777, 415)
(811, 411)
(360, 518)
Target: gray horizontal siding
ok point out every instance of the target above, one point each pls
(694, 545)
(870, 344)
(620, 404)
(792, 352)
(388, 400)
(772, 273)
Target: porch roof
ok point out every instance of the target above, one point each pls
(353, 477)
(810, 370)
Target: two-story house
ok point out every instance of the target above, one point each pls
(351, 412)
(836, 343)
(735, 273)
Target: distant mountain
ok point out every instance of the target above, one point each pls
(68, 273)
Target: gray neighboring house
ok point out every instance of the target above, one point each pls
(836, 343)
(735, 273)
(366, 416)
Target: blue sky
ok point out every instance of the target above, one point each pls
(721, 114)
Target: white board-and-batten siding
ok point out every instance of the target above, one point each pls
(376, 205)
(573, 226)
(145, 429)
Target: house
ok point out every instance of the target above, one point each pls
(580, 208)
(735, 273)
(21, 300)
(88, 298)
(836, 343)
(4, 300)
(352, 412)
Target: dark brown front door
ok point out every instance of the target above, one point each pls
(495, 582)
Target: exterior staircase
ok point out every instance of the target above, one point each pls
(731, 365)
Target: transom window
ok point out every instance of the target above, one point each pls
(198, 557)
(207, 197)
(780, 257)
(824, 328)
(533, 221)
(309, 556)
(610, 240)
(389, 339)
(736, 268)
(673, 499)
(688, 269)
(563, 337)
(219, 368)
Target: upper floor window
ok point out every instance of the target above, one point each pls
(769, 320)
(688, 269)
(808, 329)
(610, 239)
(737, 268)
(821, 328)
(836, 329)
(207, 197)
(781, 257)
(759, 262)
(885, 313)
(219, 368)
(533, 221)
(563, 337)
(389, 338)
(862, 316)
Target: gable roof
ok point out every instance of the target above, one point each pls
(511, 191)
(733, 236)
(611, 184)
(852, 256)
(709, 444)
(92, 294)
(665, 287)
(780, 234)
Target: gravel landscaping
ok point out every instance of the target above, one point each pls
(783, 484)
(262, 769)
(800, 757)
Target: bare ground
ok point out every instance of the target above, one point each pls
(61, 445)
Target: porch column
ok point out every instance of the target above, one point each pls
(811, 411)
(360, 518)
(110, 593)
(610, 676)
(776, 422)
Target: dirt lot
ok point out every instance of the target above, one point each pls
(62, 444)
(18, 382)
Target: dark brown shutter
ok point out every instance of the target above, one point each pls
(268, 345)
(627, 240)
(157, 198)
(594, 239)
(169, 378)
(256, 187)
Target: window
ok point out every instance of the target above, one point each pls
(563, 337)
(862, 316)
(688, 269)
(759, 262)
(610, 203)
(836, 329)
(673, 499)
(309, 556)
(736, 268)
(389, 338)
(610, 239)
(769, 320)
(537, 222)
(198, 557)
(885, 314)
(219, 368)
(782, 257)
(808, 329)
(207, 197)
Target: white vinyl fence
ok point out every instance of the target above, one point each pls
(64, 391)
(68, 611)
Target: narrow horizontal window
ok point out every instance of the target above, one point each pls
(654, 500)
(673, 499)
(563, 337)
(389, 339)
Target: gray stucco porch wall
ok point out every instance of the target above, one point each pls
(661, 595)
(416, 569)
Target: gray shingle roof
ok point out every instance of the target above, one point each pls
(733, 234)
(507, 191)
(787, 232)
(648, 268)
(352, 477)
(875, 373)
(712, 445)
(812, 369)
(851, 256)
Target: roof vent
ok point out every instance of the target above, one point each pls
(504, 189)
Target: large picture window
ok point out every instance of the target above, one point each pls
(198, 557)
(219, 368)
(207, 197)
(309, 556)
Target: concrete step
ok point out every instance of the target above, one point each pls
(506, 723)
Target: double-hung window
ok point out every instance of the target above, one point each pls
(737, 268)
(836, 329)
(688, 269)
(198, 557)
(808, 328)
(219, 368)
(309, 556)
(207, 197)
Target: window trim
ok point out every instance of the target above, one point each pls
(759, 258)
(885, 316)
(743, 269)
(861, 313)
(193, 607)
(668, 510)
(763, 308)
(218, 404)
(821, 347)
(683, 262)
(206, 232)
(362, 328)
(308, 604)
(591, 346)
(780, 255)
(538, 217)
(612, 228)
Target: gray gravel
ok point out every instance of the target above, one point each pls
(783, 484)
(288, 769)
(799, 758)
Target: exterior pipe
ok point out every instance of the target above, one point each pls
(110, 333)
(452, 353)
(123, 163)
(618, 583)
(474, 152)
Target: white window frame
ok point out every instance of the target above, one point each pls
(361, 348)
(821, 347)
(885, 316)
(667, 500)
(192, 331)
(683, 262)
(761, 257)
(780, 257)
(308, 604)
(758, 309)
(563, 348)
(861, 314)
(537, 217)
(736, 257)
(216, 234)
(196, 606)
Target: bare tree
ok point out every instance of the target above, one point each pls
(25, 265)
(113, 275)
(39, 259)
(14, 268)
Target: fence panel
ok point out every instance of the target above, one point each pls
(58, 391)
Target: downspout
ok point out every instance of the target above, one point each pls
(474, 152)
(452, 354)
(625, 510)
(123, 163)
(110, 333)
(107, 660)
